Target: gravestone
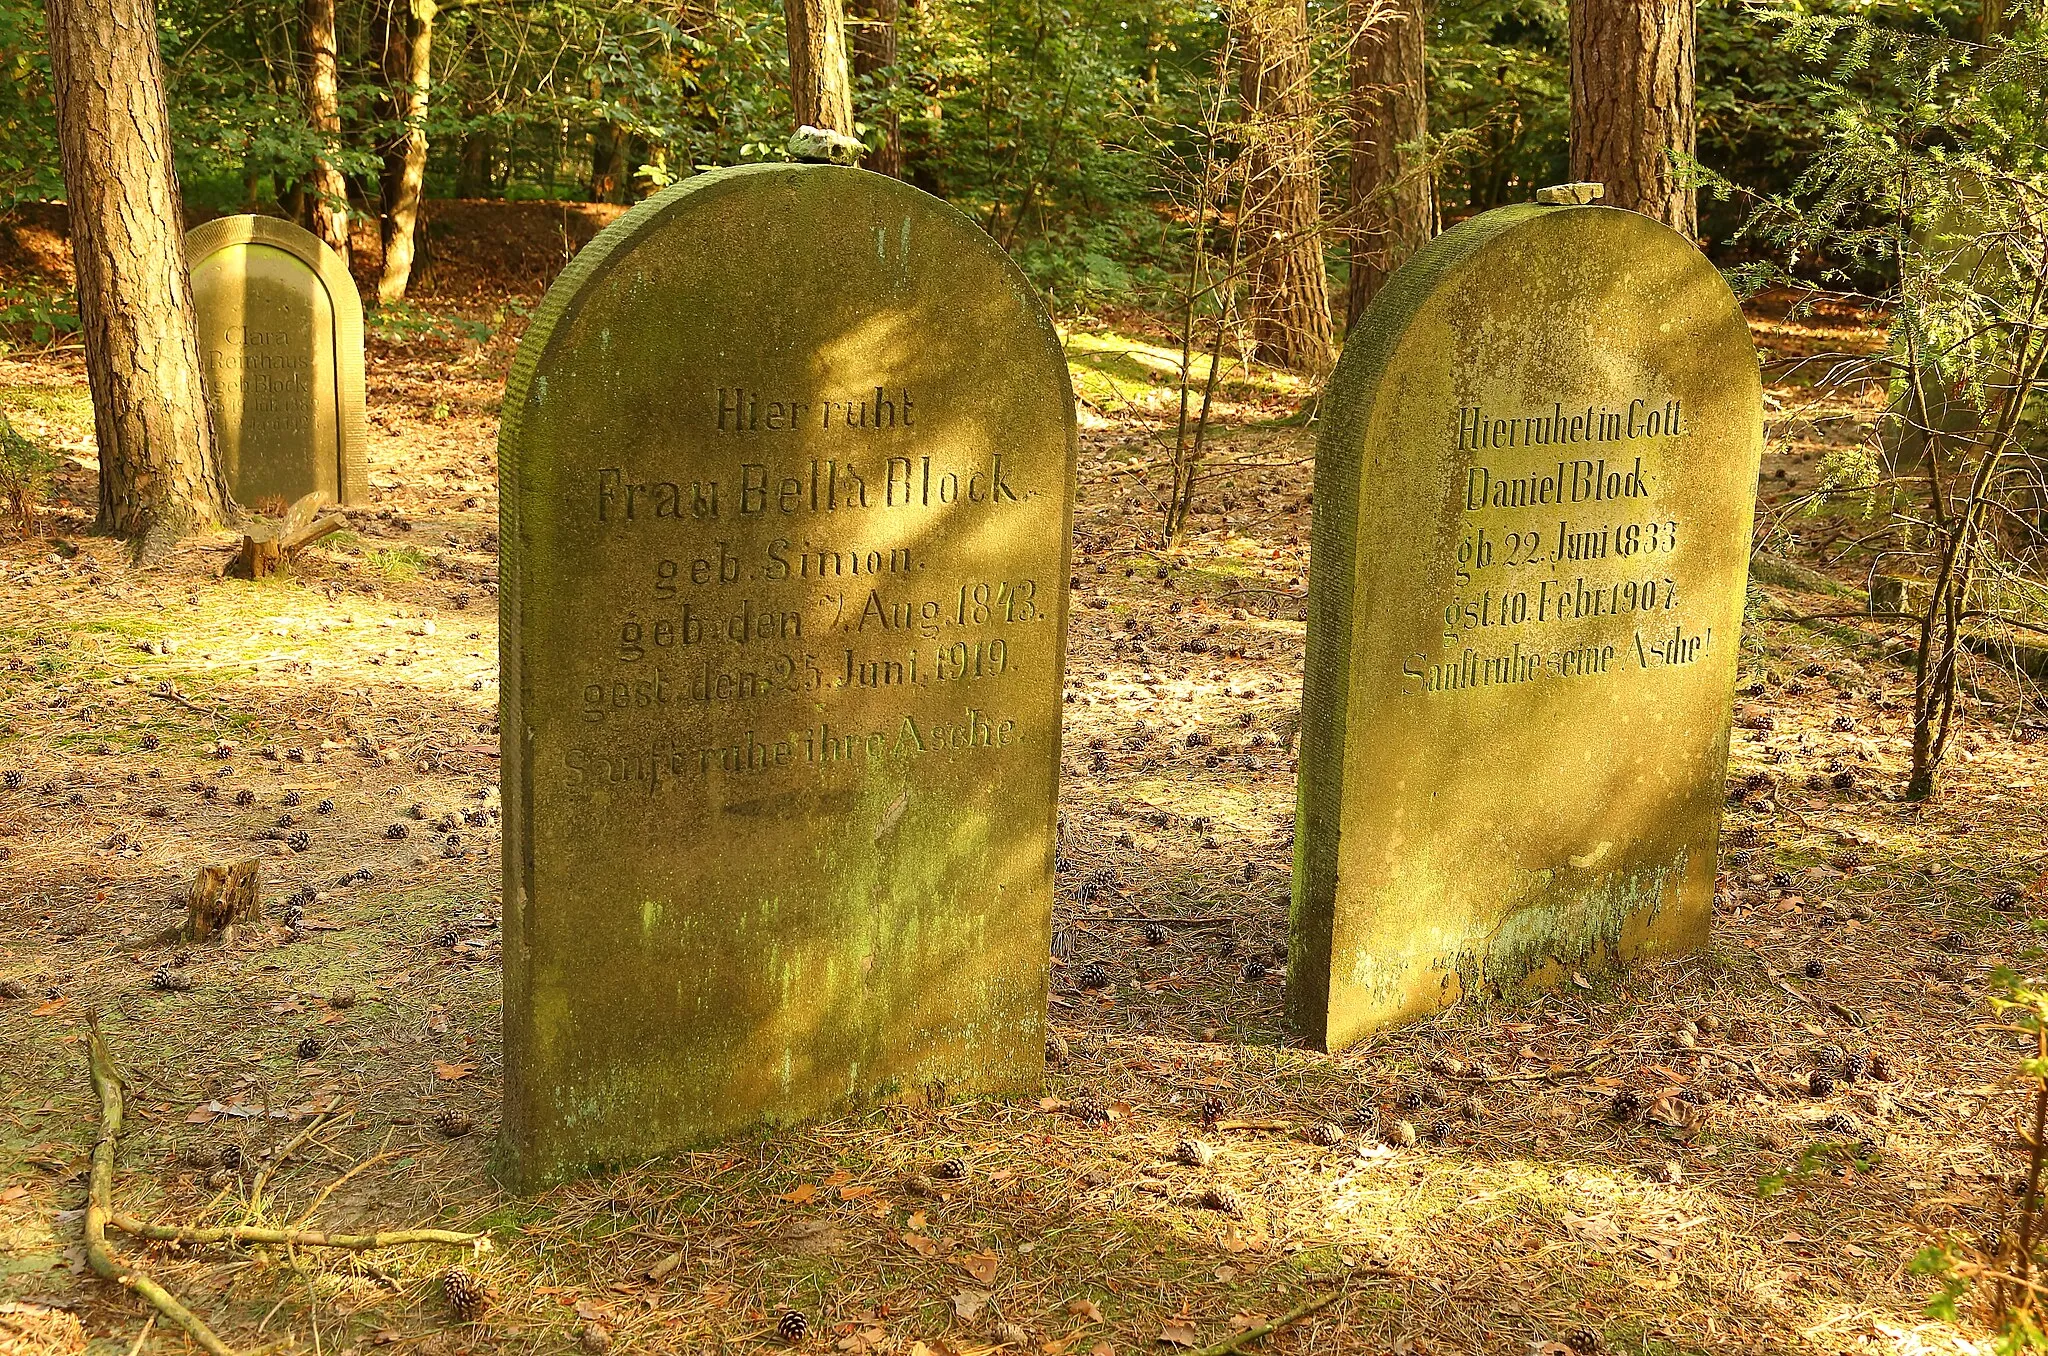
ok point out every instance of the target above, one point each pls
(281, 353)
(1533, 502)
(786, 467)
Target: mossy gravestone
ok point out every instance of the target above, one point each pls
(787, 467)
(1533, 497)
(281, 354)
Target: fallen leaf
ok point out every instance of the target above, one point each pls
(1085, 1308)
(1245, 1322)
(854, 1193)
(802, 1195)
(981, 1266)
(968, 1303)
(916, 1220)
(1226, 1273)
(657, 1271)
(1178, 1334)
(46, 1009)
(454, 1072)
(838, 1178)
(920, 1245)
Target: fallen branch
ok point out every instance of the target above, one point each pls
(99, 1202)
(99, 1213)
(296, 1238)
(1288, 1319)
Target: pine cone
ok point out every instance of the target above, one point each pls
(453, 1123)
(1254, 970)
(1838, 1123)
(952, 1169)
(1815, 969)
(467, 1296)
(12, 989)
(1854, 1067)
(1365, 1116)
(1324, 1134)
(1402, 1134)
(1212, 1109)
(1626, 1105)
(1882, 1070)
(291, 798)
(231, 1157)
(245, 797)
(170, 981)
(396, 831)
(1055, 1048)
(1439, 1131)
(1089, 1110)
(1820, 1084)
(151, 742)
(1220, 1197)
(1193, 1153)
(1093, 976)
(342, 999)
(311, 1047)
(325, 807)
(1155, 935)
(792, 1327)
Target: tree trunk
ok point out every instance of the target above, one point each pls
(1289, 293)
(1391, 204)
(607, 163)
(323, 110)
(408, 38)
(1632, 104)
(820, 93)
(158, 475)
(473, 168)
(874, 62)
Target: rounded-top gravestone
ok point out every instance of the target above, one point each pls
(787, 466)
(1533, 500)
(281, 354)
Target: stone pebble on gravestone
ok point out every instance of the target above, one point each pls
(281, 353)
(1534, 492)
(787, 462)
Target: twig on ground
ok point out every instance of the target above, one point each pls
(1288, 1319)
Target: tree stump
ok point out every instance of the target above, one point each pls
(267, 546)
(221, 897)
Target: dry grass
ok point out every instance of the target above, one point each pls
(1537, 1216)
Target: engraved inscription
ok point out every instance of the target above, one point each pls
(1565, 567)
(797, 616)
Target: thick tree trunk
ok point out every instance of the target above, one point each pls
(323, 110)
(1632, 103)
(874, 61)
(408, 46)
(158, 475)
(1392, 208)
(820, 92)
(1289, 293)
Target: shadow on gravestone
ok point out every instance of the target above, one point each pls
(787, 460)
(1534, 491)
(281, 354)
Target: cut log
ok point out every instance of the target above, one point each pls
(221, 897)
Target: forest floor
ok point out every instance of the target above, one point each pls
(167, 719)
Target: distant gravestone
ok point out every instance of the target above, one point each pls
(1533, 502)
(787, 466)
(281, 349)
